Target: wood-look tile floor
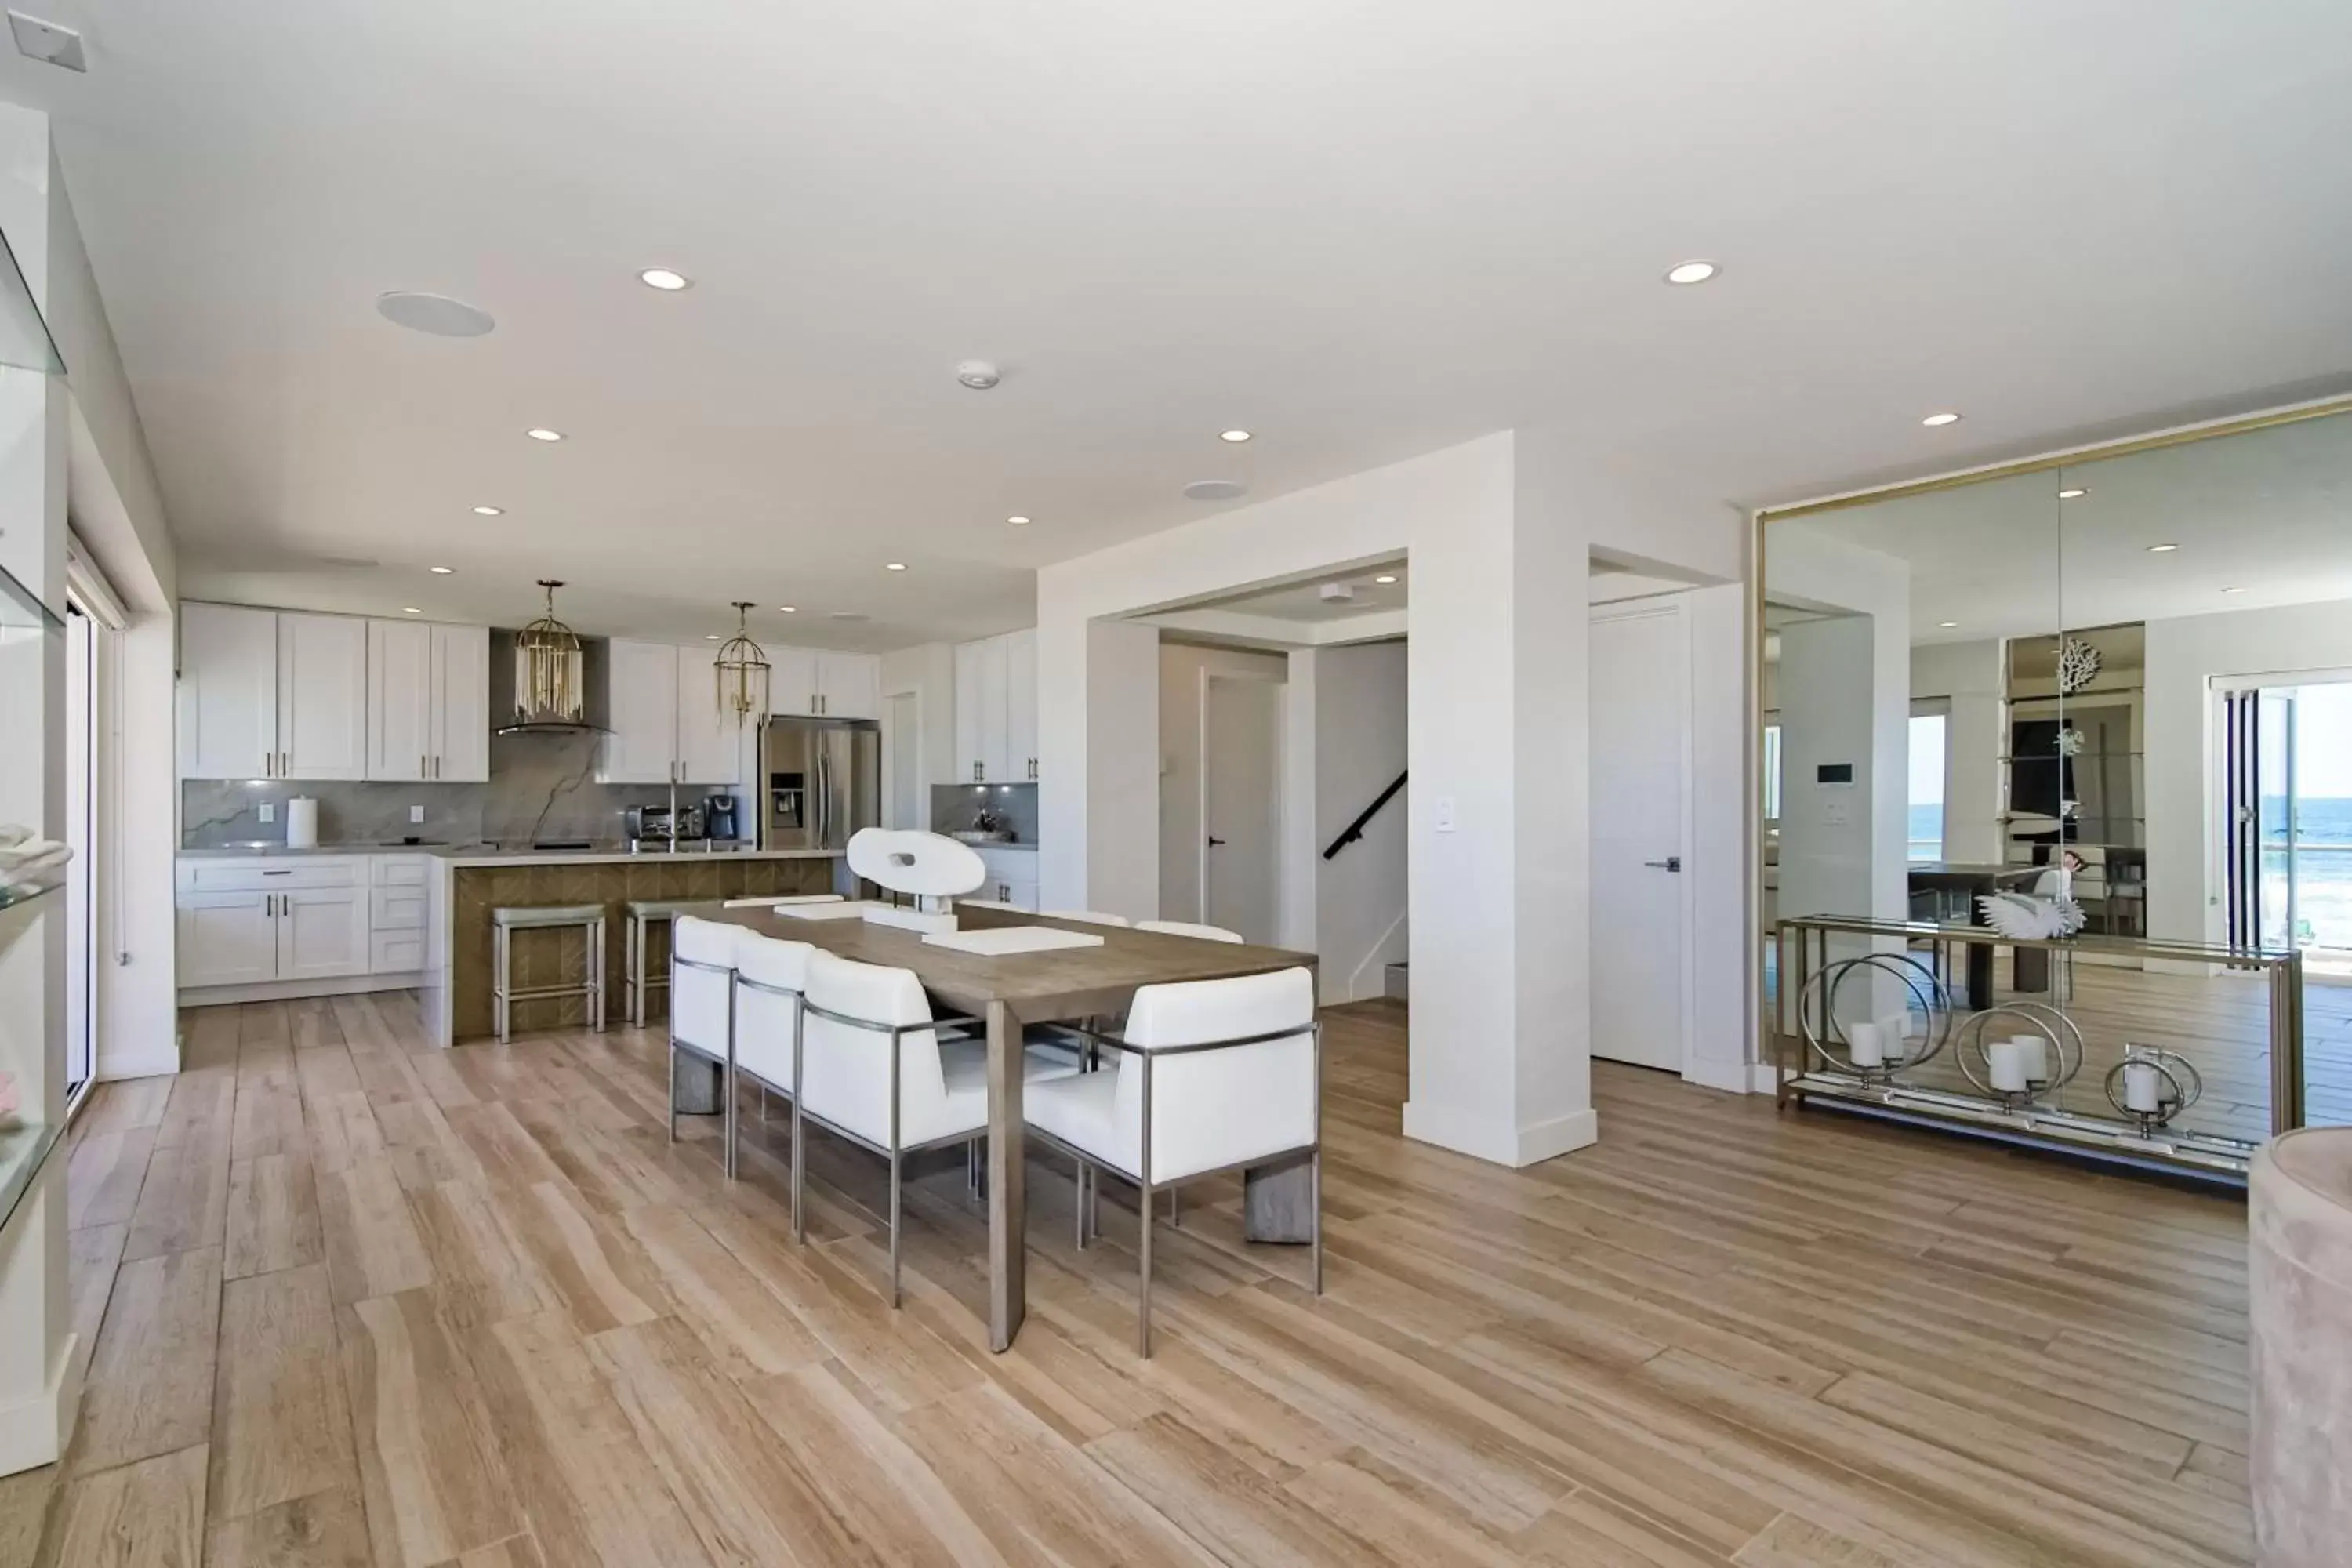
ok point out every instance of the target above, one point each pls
(348, 1300)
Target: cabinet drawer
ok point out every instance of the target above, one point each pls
(396, 952)
(396, 908)
(400, 870)
(271, 876)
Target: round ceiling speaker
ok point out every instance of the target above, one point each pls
(1214, 490)
(434, 313)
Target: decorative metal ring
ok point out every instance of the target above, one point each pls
(1915, 975)
(2188, 1084)
(2049, 1022)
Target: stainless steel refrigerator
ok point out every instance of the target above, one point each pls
(820, 781)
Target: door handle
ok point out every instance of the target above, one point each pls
(1671, 863)
(1214, 841)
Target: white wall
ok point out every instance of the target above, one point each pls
(928, 672)
(1498, 531)
(1723, 854)
(2185, 654)
(1967, 675)
(1361, 746)
(1183, 670)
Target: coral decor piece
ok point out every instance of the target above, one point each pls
(2078, 665)
(2024, 917)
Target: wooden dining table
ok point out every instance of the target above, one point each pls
(1011, 992)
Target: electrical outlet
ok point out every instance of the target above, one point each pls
(269, 811)
(415, 813)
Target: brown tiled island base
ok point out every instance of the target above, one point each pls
(555, 957)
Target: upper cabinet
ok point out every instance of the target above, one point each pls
(667, 725)
(428, 703)
(996, 709)
(271, 694)
(280, 694)
(807, 683)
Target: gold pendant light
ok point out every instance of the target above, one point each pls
(742, 671)
(548, 683)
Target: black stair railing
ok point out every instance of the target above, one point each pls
(1355, 829)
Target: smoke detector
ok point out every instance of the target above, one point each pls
(48, 42)
(979, 374)
(1336, 593)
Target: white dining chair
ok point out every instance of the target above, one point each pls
(701, 999)
(1211, 1076)
(1188, 928)
(1086, 917)
(872, 1072)
(771, 972)
(776, 901)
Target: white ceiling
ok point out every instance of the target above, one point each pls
(1362, 229)
(2268, 513)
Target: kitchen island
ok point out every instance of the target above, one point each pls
(468, 883)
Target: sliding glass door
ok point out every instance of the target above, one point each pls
(2287, 771)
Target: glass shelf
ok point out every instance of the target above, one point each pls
(12, 895)
(24, 340)
(24, 1150)
(20, 608)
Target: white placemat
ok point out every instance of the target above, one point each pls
(995, 941)
(850, 909)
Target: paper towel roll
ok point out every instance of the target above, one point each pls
(301, 823)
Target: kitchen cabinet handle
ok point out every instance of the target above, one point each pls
(424, 769)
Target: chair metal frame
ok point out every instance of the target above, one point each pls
(503, 994)
(895, 1151)
(1090, 1166)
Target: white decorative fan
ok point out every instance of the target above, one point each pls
(2078, 665)
(2024, 917)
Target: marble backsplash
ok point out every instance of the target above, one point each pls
(541, 786)
(955, 808)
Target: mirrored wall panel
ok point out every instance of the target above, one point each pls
(2109, 702)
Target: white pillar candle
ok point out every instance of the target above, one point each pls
(2143, 1087)
(1863, 1045)
(2035, 1050)
(2007, 1063)
(1894, 1030)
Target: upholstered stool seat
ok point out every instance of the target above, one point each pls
(507, 919)
(2299, 1224)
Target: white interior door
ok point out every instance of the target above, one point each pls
(1640, 730)
(1241, 782)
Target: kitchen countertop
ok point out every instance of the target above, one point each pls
(494, 855)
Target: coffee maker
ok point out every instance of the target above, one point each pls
(721, 819)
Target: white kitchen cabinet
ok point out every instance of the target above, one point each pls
(1012, 876)
(849, 685)
(428, 703)
(793, 682)
(642, 681)
(323, 933)
(461, 704)
(982, 755)
(228, 692)
(1021, 704)
(227, 938)
(322, 697)
(709, 738)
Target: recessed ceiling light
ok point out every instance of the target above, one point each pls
(410, 610)
(662, 277)
(2076, 493)
(894, 566)
(1018, 521)
(1935, 420)
(2233, 590)
(710, 636)
(1690, 272)
(2162, 549)
(1385, 577)
(1947, 625)
(489, 512)
(443, 571)
(540, 433)
(788, 609)
(1235, 436)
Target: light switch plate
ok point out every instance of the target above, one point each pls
(269, 811)
(415, 813)
(1445, 823)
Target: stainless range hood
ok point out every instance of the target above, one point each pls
(510, 716)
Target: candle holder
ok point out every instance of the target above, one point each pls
(2137, 1086)
(2008, 1075)
(1826, 1036)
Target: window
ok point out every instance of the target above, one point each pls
(1925, 836)
(1771, 773)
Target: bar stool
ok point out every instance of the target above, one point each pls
(639, 916)
(507, 919)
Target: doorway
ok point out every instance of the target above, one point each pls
(1640, 769)
(902, 724)
(2287, 817)
(1241, 782)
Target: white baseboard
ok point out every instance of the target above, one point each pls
(33, 1431)
(1732, 1078)
(113, 1065)
(1515, 1147)
(293, 990)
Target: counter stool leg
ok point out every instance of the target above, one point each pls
(596, 968)
(630, 990)
(504, 982)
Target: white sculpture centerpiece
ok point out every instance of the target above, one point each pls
(930, 868)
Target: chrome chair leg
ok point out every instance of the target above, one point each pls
(1143, 1288)
(1078, 1203)
(894, 1229)
(1315, 1200)
(1176, 1207)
